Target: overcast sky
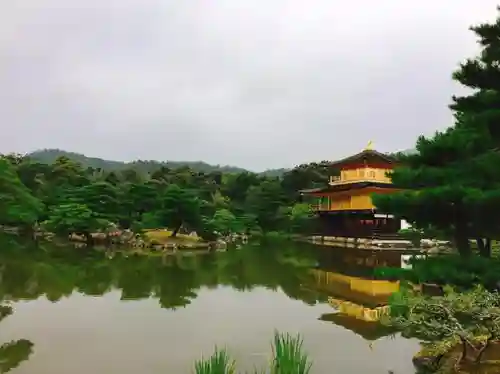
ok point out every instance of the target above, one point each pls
(253, 83)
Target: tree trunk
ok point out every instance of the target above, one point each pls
(462, 238)
(462, 243)
(176, 230)
(89, 239)
(108, 241)
(484, 246)
(481, 350)
(27, 230)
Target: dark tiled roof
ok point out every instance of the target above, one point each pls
(347, 187)
(363, 154)
(312, 190)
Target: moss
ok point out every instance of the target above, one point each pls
(437, 349)
(165, 235)
(433, 357)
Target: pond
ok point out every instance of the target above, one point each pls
(83, 311)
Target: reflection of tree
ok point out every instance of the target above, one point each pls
(56, 272)
(95, 279)
(272, 268)
(134, 276)
(14, 352)
(29, 272)
(5, 311)
(176, 287)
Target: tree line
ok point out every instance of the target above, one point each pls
(451, 185)
(66, 197)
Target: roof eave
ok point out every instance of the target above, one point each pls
(360, 154)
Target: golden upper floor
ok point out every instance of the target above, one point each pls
(354, 180)
(362, 174)
(366, 166)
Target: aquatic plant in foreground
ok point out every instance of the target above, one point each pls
(288, 357)
(218, 363)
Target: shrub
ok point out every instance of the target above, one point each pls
(469, 319)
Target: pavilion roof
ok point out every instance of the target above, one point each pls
(346, 187)
(366, 329)
(363, 155)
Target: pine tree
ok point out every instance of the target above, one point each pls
(453, 182)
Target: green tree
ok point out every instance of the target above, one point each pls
(75, 218)
(453, 181)
(17, 205)
(236, 186)
(302, 219)
(248, 222)
(101, 198)
(225, 222)
(179, 206)
(305, 176)
(264, 201)
(136, 199)
(471, 319)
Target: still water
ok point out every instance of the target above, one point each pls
(80, 312)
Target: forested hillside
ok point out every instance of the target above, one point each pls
(49, 156)
(66, 196)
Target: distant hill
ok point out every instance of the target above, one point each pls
(48, 156)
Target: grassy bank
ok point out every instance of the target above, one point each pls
(288, 357)
(163, 236)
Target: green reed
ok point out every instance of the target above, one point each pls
(288, 357)
(218, 363)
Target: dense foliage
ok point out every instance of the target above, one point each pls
(452, 183)
(469, 319)
(463, 272)
(66, 197)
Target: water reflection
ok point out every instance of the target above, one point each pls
(14, 352)
(55, 273)
(66, 298)
(344, 276)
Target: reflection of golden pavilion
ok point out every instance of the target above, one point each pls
(369, 292)
(360, 298)
(368, 330)
(344, 277)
